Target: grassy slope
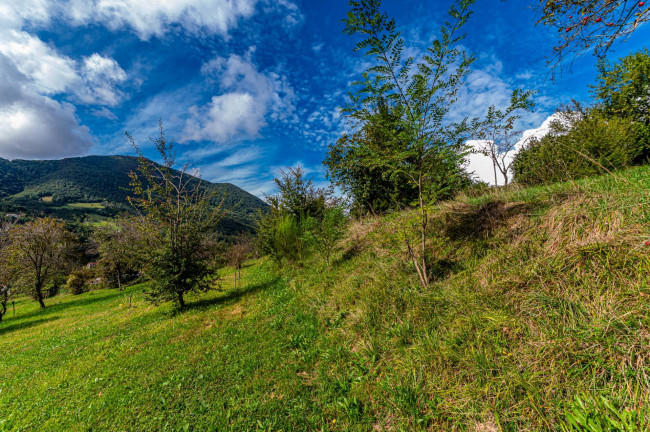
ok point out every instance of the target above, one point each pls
(542, 295)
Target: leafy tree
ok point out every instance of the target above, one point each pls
(77, 282)
(623, 88)
(7, 273)
(120, 246)
(297, 195)
(179, 218)
(496, 134)
(427, 149)
(41, 251)
(591, 25)
(280, 230)
(350, 165)
(325, 234)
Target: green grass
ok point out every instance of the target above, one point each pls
(89, 362)
(84, 205)
(538, 319)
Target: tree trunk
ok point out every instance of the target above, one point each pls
(119, 280)
(424, 272)
(181, 300)
(39, 295)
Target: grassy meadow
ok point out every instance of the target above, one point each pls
(538, 319)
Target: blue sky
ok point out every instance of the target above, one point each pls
(244, 86)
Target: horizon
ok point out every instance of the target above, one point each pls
(246, 87)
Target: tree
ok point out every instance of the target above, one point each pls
(623, 88)
(41, 251)
(325, 234)
(7, 271)
(497, 139)
(297, 195)
(350, 165)
(179, 216)
(120, 244)
(280, 229)
(427, 148)
(590, 25)
(582, 142)
(240, 251)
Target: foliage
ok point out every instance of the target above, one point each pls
(426, 149)
(121, 243)
(297, 196)
(623, 88)
(77, 282)
(242, 249)
(41, 251)
(7, 272)
(97, 187)
(323, 235)
(351, 166)
(179, 217)
(280, 230)
(583, 142)
(591, 25)
(600, 415)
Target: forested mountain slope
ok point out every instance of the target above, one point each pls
(94, 186)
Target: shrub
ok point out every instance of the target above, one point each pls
(582, 143)
(77, 282)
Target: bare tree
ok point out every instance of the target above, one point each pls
(497, 138)
(41, 251)
(240, 251)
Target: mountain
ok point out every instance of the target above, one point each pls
(95, 187)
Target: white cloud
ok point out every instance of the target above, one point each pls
(481, 166)
(101, 75)
(104, 113)
(155, 18)
(50, 72)
(33, 125)
(247, 98)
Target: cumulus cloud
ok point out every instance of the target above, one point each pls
(50, 72)
(33, 125)
(101, 75)
(247, 98)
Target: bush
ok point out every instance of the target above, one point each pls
(77, 282)
(581, 144)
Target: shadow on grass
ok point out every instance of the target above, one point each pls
(467, 222)
(231, 296)
(8, 328)
(61, 306)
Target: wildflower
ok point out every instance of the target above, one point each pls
(647, 243)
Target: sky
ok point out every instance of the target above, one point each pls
(244, 87)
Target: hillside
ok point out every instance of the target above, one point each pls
(538, 319)
(94, 186)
